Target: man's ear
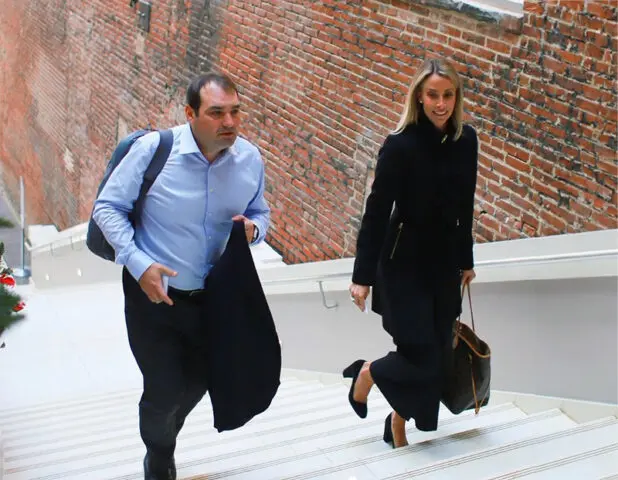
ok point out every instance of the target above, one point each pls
(190, 113)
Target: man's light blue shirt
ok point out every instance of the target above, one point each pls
(187, 215)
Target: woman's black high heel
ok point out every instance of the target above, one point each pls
(352, 372)
(388, 430)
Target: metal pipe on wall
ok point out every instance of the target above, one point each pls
(22, 275)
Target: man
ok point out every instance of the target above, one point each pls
(212, 177)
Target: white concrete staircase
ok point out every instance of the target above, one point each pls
(310, 432)
(69, 386)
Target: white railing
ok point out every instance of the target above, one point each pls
(532, 260)
(599, 263)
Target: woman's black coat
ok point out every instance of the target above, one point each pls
(413, 254)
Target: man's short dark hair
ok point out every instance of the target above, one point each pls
(194, 100)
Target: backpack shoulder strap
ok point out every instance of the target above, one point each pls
(154, 168)
(160, 157)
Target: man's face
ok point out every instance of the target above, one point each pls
(215, 125)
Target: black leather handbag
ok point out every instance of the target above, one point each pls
(468, 372)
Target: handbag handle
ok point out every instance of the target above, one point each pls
(463, 289)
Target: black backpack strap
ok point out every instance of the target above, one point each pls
(154, 168)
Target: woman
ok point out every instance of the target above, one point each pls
(417, 255)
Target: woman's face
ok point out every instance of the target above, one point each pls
(438, 96)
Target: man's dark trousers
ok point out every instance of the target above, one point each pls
(168, 345)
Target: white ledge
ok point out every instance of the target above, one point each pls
(514, 8)
(581, 255)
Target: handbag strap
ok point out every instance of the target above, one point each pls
(464, 289)
(477, 404)
(477, 407)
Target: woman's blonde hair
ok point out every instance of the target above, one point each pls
(412, 105)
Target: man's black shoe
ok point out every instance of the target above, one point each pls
(155, 472)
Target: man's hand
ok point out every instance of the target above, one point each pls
(467, 276)
(249, 226)
(152, 283)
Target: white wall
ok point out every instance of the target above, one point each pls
(548, 337)
(547, 307)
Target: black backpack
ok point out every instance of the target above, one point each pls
(95, 240)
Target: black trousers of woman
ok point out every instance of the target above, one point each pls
(167, 343)
(419, 313)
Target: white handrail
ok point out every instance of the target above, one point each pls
(62, 242)
(549, 258)
(537, 259)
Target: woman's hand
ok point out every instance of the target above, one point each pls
(467, 276)
(358, 294)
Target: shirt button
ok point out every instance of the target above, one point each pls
(209, 237)
(212, 190)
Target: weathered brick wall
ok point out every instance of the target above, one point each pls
(322, 83)
(79, 76)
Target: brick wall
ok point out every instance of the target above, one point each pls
(322, 84)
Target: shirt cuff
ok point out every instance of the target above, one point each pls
(138, 263)
(256, 234)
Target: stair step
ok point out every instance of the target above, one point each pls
(460, 438)
(594, 463)
(500, 460)
(328, 452)
(118, 412)
(307, 420)
(10, 415)
(281, 407)
(277, 453)
(60, 412)
(196, 430)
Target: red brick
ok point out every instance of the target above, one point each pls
(534, 7)
(592, 23)
(554, 65)
(493, 153)
(509, 208)
(497, 46)
(553, 221)
(517, 188)
(605, 221)
(544, 189)
(602, 10)
(531, 221)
